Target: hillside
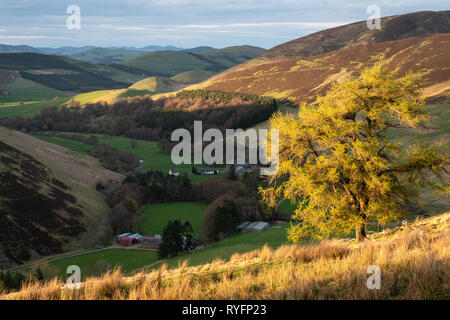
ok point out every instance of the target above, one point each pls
(4, 48)
(190, 77)
(106, 55)
(48, 202)
(413, 259)
(355, 34)
(66, 74)
(171, 63)
(303, 79)
(148, 86)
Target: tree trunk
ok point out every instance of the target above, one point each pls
(361, 232)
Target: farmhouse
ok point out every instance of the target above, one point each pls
(209, 171)
(174, 172)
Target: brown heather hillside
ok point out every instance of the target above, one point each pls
(303, 79)
(48, 202)
(392, 28)
(414, 261)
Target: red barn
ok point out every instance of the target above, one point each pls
(125, 242)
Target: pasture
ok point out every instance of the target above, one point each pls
(155, 217)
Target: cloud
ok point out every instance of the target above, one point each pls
(109, 26)
(23, 37)
(265, 25)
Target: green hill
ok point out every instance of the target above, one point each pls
(105, 55)
(171, 63)
(66, 74)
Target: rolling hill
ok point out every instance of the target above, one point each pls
(301, 69)
(4, 48)
(171, 63)
(147, 86)
(48, 202)
(106, 55)
(65, 74)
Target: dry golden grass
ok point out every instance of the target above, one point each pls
(414, 262)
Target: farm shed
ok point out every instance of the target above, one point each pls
(150, 243)
(136, 236)
(242, 226)
(126, 242)
(123, 235)
(257, 226)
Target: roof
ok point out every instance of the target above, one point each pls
(124, 235)
(136, 236)
(243, 225)
(260, 225)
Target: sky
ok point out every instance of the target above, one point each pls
(184, 23)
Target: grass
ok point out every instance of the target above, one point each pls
(26, 110)
(287, 207)
(190, 77)
(225, 249)
(155, 158)
(84, 98)
(158, 215)
(27, 90)
(73, 145)
(414, 262)
(127, 259)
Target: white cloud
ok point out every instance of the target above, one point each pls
(109, 26)
(23, 37)
(265, 25)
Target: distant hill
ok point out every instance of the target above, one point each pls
(14, 49)
(66, 74)
(48, 202)
(299, 70)
(105, 55)
(392, 28)
(64, 51)
(171, 63)
(199, 49)
(159, 48)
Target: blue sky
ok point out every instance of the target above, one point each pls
(185, 23)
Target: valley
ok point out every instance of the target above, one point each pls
(363, 120)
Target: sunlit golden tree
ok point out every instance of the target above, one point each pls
(338, 164)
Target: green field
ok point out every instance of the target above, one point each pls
(27, 90)
(127, 259)
(158, 215)
(84, 98)
(26, 110)
(224, 249)
(287, 207)
(133, 260)
(73, 145)
(155, 158)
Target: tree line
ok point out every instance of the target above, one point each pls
(148, 119)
